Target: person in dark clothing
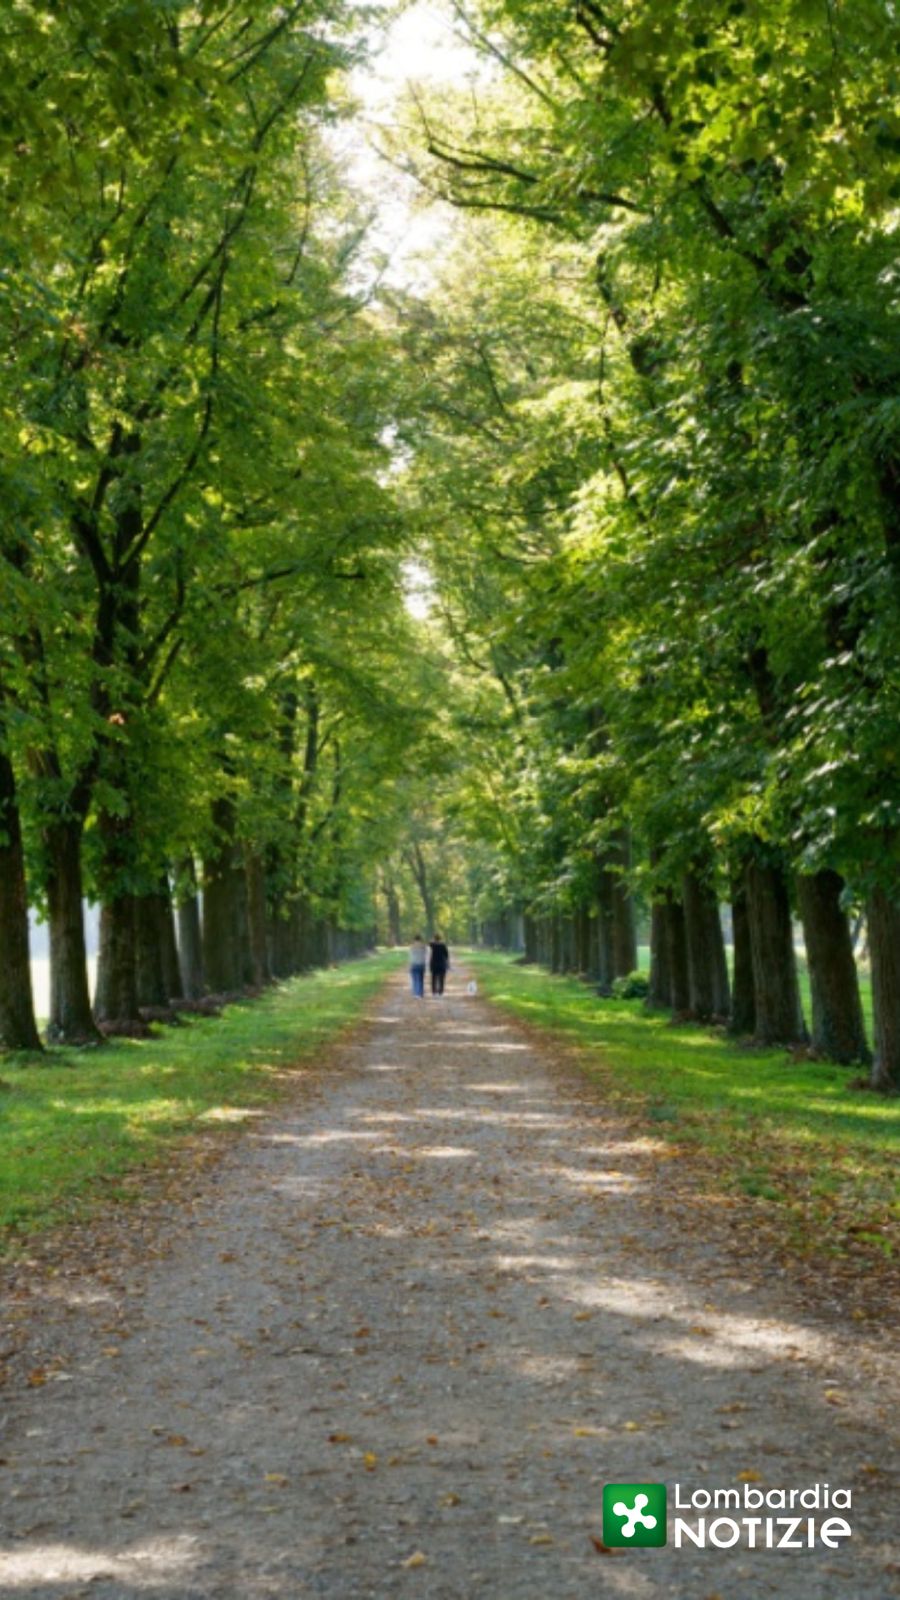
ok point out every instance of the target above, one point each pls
(439, 962)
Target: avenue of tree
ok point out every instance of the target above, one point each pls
(641, 431)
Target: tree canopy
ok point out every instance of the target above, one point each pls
(639, 429)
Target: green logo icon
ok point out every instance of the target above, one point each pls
(634, 1515)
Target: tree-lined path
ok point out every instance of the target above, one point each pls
(400, 1337)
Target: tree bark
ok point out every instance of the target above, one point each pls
(116, 994)
(838, 1029)
(71, 1019)
(606, 953)
(256, 914)
(743, 995)
(222, 956)
(151, 977)
(676, 932)
(583, 941)
(190, 937)
(624, 936)
(168, 944)
(707, 967)
(392, 902)
(420, 872)
(660, 990)
(531, 939)
(283, 942)
(18, 1029)
(883, 918)
(779, 1018)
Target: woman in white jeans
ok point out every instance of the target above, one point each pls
(418, 959)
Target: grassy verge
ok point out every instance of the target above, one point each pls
(73, 1126)
(817, 1155)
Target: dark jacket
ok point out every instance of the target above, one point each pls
(440, 956)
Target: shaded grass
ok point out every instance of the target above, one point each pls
(74, 1122)
(794, 1133)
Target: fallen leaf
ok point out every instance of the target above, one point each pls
(750, 1477)
(370, 1460)
(417, 1559)
(36, 1378)
(340, 1438)
(280, 1478)
(542, 1538)
(603, 1549)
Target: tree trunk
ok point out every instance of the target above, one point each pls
(838, 1029)
(190, 937)
(151, 977)
(18, 1029)
(707, 967)
(256, 915)
(242, 919)
(624, 937)
(743, 995)
(779, 1019)
(168, 944)
(223, 955)
(420, 872)
(116, 994)
(555, 943)
(883, 918)
(284, 956)
(660, 990)
(392, 901)
(531, 939)
(606, 953)
(676, 933)
(583, 941)
(71, 1019)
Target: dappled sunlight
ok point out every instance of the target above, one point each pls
(588, 1178)
(523, 1263)
(437, 1152)
(230, 1114)
(547, 1369)
(501, 1088)
(143, 1565)
(326, 1136)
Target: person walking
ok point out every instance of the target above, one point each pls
(439, 963)
(418, 958)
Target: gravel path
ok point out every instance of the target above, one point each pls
(408, 1327)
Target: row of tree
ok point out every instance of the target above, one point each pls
(658, 453)
(202, 629)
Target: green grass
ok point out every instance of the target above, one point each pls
(793, 1133)
(75, 1123)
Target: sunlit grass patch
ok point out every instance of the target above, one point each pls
(73, 1122)
(794, 1134)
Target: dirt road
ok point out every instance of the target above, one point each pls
(413, 1322)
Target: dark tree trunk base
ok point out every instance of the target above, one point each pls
(838, 1029)
(779, 1019)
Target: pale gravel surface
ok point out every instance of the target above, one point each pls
(427, 1307)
